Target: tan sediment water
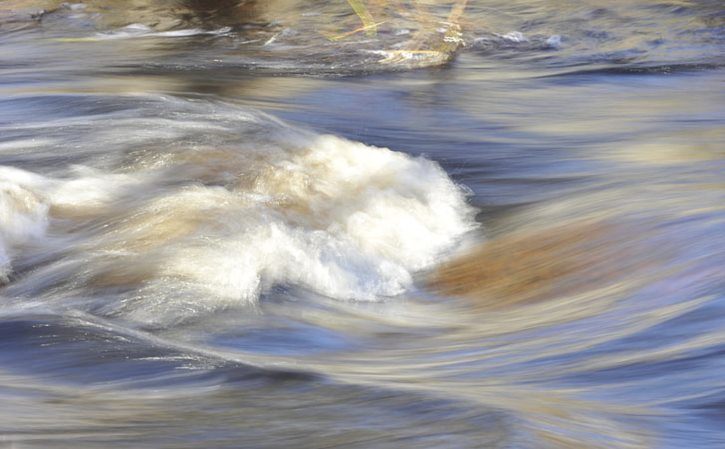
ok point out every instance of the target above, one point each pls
(536, 265)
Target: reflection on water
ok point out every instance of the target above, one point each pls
(537, 262)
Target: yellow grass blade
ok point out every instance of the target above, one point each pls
(371, 28)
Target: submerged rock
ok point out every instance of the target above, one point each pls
(537, 265)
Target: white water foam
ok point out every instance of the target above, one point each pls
(136, 30)
(23, 217)
(190, 231)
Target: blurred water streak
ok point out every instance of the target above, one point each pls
(188, 260)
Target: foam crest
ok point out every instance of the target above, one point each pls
(191, 231)
(23, 216)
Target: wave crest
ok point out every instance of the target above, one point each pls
(179, 232)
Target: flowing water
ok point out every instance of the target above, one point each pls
(261, 225)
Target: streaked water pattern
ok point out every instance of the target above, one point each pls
(230, 224)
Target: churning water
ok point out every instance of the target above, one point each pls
(260, 225)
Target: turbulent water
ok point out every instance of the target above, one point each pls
(272, 225)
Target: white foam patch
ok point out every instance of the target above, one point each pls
(26, 199)
(23, 215)
(515, 36)
(195, 231)
(554, 41)
(136, 30)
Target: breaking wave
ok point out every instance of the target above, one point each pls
(176, 225)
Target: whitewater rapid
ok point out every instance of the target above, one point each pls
(157, 225)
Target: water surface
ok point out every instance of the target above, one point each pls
(250, 226)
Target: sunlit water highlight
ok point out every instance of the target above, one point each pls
(242, 227)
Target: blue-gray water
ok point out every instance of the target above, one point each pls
(205, 243)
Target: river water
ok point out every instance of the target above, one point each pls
(257, 225)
